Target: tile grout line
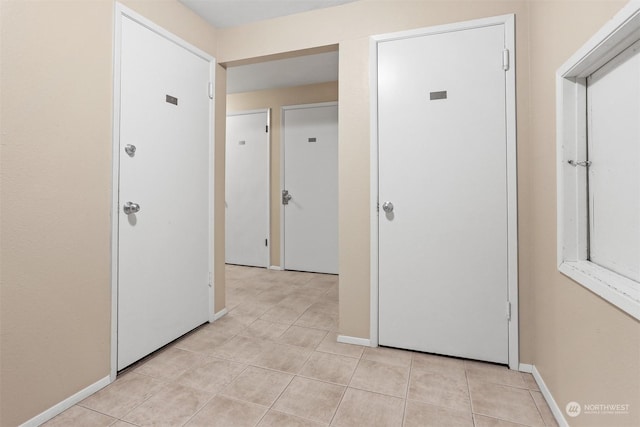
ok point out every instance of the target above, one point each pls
(406, 394)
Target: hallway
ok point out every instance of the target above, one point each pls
(274, 361)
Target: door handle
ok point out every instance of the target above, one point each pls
(286, 197)
(130, 149)
(131, 208)
(387, 207)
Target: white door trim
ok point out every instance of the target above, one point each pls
(512, 203)
(120, 12)
(268, 124)
(282, 110)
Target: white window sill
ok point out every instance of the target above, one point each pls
(618, 290)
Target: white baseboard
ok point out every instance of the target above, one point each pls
(524, 367)
(67, 403)
(354, 340)
(275, 267)
(219, 314)
(555, 409)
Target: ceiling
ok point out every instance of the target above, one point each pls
(297, 71)
(293, 71)
(231, 13)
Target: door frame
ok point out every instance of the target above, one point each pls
(268, 124)
(512, 180)
(282, 143)
(120, 13)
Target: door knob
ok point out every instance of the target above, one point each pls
(130, 149)
(387, 207)
(131, 208)
(286, 197)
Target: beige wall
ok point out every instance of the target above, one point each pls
(276, 99)
(56, 85)
(586, 349)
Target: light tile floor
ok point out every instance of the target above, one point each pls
(274, 361)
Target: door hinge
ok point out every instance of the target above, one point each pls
(378, 207)
(508, 310)
(505, 59)
(210, 90)
(266, 242)
(210, 280)
(266, 129)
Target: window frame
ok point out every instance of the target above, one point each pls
(571, 142)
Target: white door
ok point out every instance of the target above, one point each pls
(311, 180)
(443, 166)
(247, 189)
(163, 256)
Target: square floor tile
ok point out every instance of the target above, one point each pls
(506, 403)
(424, 415)
(203, 341)
(250, 308)
(381, 378)
(270, 297)
(388, 355)
(282, 314)
(230, 325)
(283, 357)
(363, 408)
(482, 421)
(169, 364)
(280, 419)
(543, 408)
(213, 376)
(124, 394)
(310, 399)
(79, 416)
(172, 406)
(330, 344)
(318, 320)
(298, 301)
(491, 373)
(441, 364)
(264, 329)
(302, 337)
(241, 349)
(257, 385)
(529, 381)
(224, 412)
(438, 389)
(329, 367)
(325, 305)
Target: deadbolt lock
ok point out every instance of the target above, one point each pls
(286, 197)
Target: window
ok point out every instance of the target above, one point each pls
(598, 139)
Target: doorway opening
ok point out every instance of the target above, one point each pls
(263, 91)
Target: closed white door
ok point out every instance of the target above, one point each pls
(247, 189)
(311, 186)
(443, 167)
(163, 252)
